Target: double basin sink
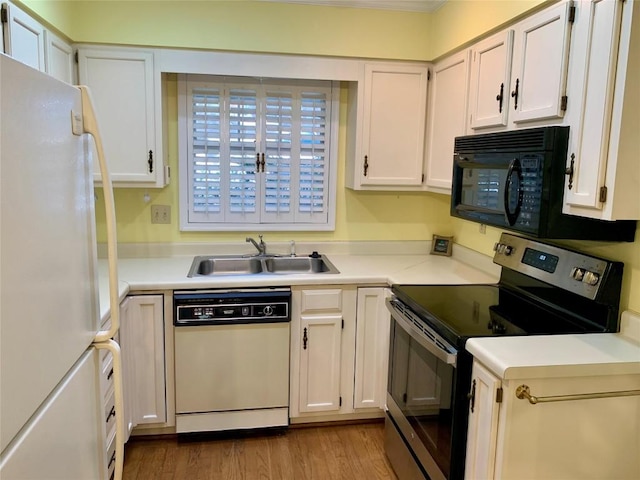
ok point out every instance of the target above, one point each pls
(213, 265)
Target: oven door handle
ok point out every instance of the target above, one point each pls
(419, 336)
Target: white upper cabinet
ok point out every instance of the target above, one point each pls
(490, 80)
(603, 166)
(387, 115)
(29, 42)
(23, 37)
(59, 58)
(126, 92)
(447, 118)
(540, 64)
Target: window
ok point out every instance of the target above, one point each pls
(257, 153)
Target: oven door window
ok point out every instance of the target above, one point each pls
(421, 385)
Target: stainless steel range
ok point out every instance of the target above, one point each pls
(543, 289)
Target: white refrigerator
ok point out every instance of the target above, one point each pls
(55, 418)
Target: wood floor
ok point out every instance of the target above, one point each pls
(351, 452)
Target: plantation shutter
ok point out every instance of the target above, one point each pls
(313, 156)
(242, 137)
(204, 152)
(257, 152)
(279, 149)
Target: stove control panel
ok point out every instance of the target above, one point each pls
(576, 272)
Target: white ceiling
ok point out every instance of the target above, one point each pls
(403, 5)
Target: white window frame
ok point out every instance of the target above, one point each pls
(184, 167)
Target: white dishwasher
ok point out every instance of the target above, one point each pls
(231, 359)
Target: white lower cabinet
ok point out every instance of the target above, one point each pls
(483, 423)
(322, 344)
(339, 352)
(510, 438)
(372, 348)
(143, 359)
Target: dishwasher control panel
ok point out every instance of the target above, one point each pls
(220, 307)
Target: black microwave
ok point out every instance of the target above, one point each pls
(515, 180)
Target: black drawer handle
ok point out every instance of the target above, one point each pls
(110, 374)
(112, 413)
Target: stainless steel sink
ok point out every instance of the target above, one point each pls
(225, 266)
(241, 265)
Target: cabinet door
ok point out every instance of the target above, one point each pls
(594, 61)
(490, 80)
(320, 363)
(23, 38)
(395, 100)
(483, 423)
(126, 342)
(372, 348)
(142, 340)
(447, 118)
(59, 58)
(126, 96)
(540, 63)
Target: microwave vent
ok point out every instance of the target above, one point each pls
(533, 139)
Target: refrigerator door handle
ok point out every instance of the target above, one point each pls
(114, 348)
(90, 125)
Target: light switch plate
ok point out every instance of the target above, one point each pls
(160, 214)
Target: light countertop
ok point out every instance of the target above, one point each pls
(170, 273)
(547, 356)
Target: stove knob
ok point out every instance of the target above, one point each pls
(591, 278)
(508, 250)
(268, 310)
(577, 273)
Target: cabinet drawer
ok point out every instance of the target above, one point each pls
(106, 372)
(321, 300)
(111, 458)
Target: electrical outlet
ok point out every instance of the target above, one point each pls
(160, 214)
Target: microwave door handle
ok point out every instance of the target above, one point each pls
(514, 166)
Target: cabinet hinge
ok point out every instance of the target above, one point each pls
(572, 13)
(423, 178)
(428, 75)
(76, 56)
(499, 395)
(603, 194)
(4, 16)
(340, 402)
(563, 102)
(343, 323)
(167, 173)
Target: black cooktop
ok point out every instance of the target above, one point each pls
(458, 312)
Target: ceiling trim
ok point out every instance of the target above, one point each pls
(424, 6)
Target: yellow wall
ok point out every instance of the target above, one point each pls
(359, 216)
(459, 21)
(254, 26)
(243, 25)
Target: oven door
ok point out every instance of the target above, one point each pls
(488, 187)
(420, 390)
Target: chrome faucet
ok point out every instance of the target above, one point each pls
(262, 247)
